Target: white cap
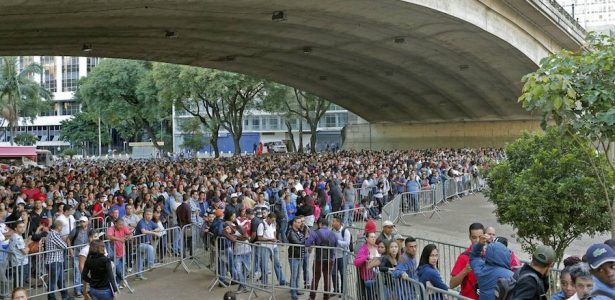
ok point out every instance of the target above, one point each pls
(387, 223)
(83, 219)
(234, 195)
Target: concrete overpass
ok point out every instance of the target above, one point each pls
(389, 61)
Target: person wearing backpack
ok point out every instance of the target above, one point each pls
(532, 281)
(344, 241)
(495, 266)
(323, 258)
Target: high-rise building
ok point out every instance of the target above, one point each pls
(60, 76)
(593, 15)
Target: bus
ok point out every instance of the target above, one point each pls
(18, 156)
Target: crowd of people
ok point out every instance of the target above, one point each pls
(255, 205)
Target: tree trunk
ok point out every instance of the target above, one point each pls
(152, 134)
(300, 136)
(13, 132)
(237, 145)
(612, 219)
(289, 129)
(313, 139)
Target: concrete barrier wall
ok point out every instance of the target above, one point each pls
(416, 136)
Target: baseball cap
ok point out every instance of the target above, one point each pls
(544, 255)
(83, 219)
(388, 223)
(502, 240)
(399, 237)
(598, 254)
(234, 195)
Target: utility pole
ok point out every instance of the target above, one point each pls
(99, 138)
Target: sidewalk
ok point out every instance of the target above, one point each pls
(457, 216)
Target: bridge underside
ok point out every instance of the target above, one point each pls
(388, 61)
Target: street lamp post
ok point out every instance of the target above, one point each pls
(124, 147)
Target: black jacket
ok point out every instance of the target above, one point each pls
(294, 237)
(528, 288)
(98, 272)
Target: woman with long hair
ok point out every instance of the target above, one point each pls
(388, 262)
(367, 259)
(98, 273)
(428, 270)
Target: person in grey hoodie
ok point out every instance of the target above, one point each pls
(495, 265)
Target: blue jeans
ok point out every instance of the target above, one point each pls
(226, 261)
(119, 269)
(101, 294)
(266, 258)
(77, 273)
(177, 239)
(148, 251)
(295, 263)
(371, 289)
(339, 270)
(55, 281)
(306, 270)
(348, 217)
(242, 267)
(283, 230)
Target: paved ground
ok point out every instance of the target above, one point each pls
(456, 217)
(451, 227)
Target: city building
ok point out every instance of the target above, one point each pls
(593, 15)
(264, 127)
(60, 76)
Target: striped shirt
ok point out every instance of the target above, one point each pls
(54, 247)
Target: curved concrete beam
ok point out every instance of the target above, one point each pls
(400, 61)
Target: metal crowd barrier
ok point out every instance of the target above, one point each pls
(355, 217)
(434, 293)
(39, 276)
(140, 254)
(448, 254)
(429, 201)
(193, 245)
(276, 268)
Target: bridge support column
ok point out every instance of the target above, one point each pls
(435, 135)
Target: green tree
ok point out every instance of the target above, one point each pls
(547, 191)
(235, 93)
(575, 90)
(121, 90)
(82, 130)
(25, 139)
(311, 108)
(275, 102)
(20, 95)
(190, 89)
(70, 152)
(194, 134)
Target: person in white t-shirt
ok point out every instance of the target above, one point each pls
(266, 232)
(67, 219)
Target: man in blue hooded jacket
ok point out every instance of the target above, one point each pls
(496, 265)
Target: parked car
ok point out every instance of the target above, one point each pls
(277, 147)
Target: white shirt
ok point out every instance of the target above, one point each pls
(68, 224)
(85, 250)
(267, 231)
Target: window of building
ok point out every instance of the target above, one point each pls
(273, 123)
(48, 78)
(70, 73)
(330, 120)
(69, 108)
(92, 62)
(256, 123)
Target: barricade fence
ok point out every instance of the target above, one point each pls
(51, 271)
(448, 254)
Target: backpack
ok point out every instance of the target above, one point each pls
(505, 286)
(351, 245)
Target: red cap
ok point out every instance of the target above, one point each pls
(370, 226)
